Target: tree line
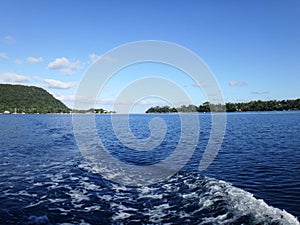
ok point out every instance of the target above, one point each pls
(92, 110)
(271, 105)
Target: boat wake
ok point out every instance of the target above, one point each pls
(81, 196)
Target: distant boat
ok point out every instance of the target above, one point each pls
(6, 112)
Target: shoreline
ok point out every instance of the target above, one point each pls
(161, 113)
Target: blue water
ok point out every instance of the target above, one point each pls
(255, 178)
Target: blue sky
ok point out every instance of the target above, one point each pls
(252, 47)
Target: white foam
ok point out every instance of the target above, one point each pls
(63, 211)
(89, 186)
(34, 204)
(105, 197)
(192, 195)
(244, 201)
(79, 195)
(121, 216)
(22, 193)
(240, 202)
(92, 208)
(123, 208)
(183, 214)
(146, 190)
(57, 178)
(56, 200)
(170, 187)
(153, 196)
(158, 213)
(74, 178)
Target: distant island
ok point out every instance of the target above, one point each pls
(31, 99)
(272, 105)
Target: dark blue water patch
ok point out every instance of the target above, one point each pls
(139, 126)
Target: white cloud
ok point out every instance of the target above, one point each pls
(3, 55)
(56, 84)
(234, 83)
(13, 78)
(59, 63)
(65, 66)
(34, 60)
(260, 92)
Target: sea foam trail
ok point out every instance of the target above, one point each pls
(190, 198)
(185, 198)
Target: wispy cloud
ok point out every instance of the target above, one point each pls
(9, 39)
(18, 62)
(67, 98)
(106, 59)
(65, 66)
(199, 84)
(56, 84)
(84, 102)
(89, 100)
(3, 55)
(94, 57)
(234, 83)
(260, 92)
(34, 59)
(9, 77)
(67, 71)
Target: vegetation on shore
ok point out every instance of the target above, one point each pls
(272, 105)
(92, 110)
(29, 99)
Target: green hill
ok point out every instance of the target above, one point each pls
(28, 99)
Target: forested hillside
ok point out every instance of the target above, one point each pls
(29, 99)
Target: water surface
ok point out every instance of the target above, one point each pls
(255, 178)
